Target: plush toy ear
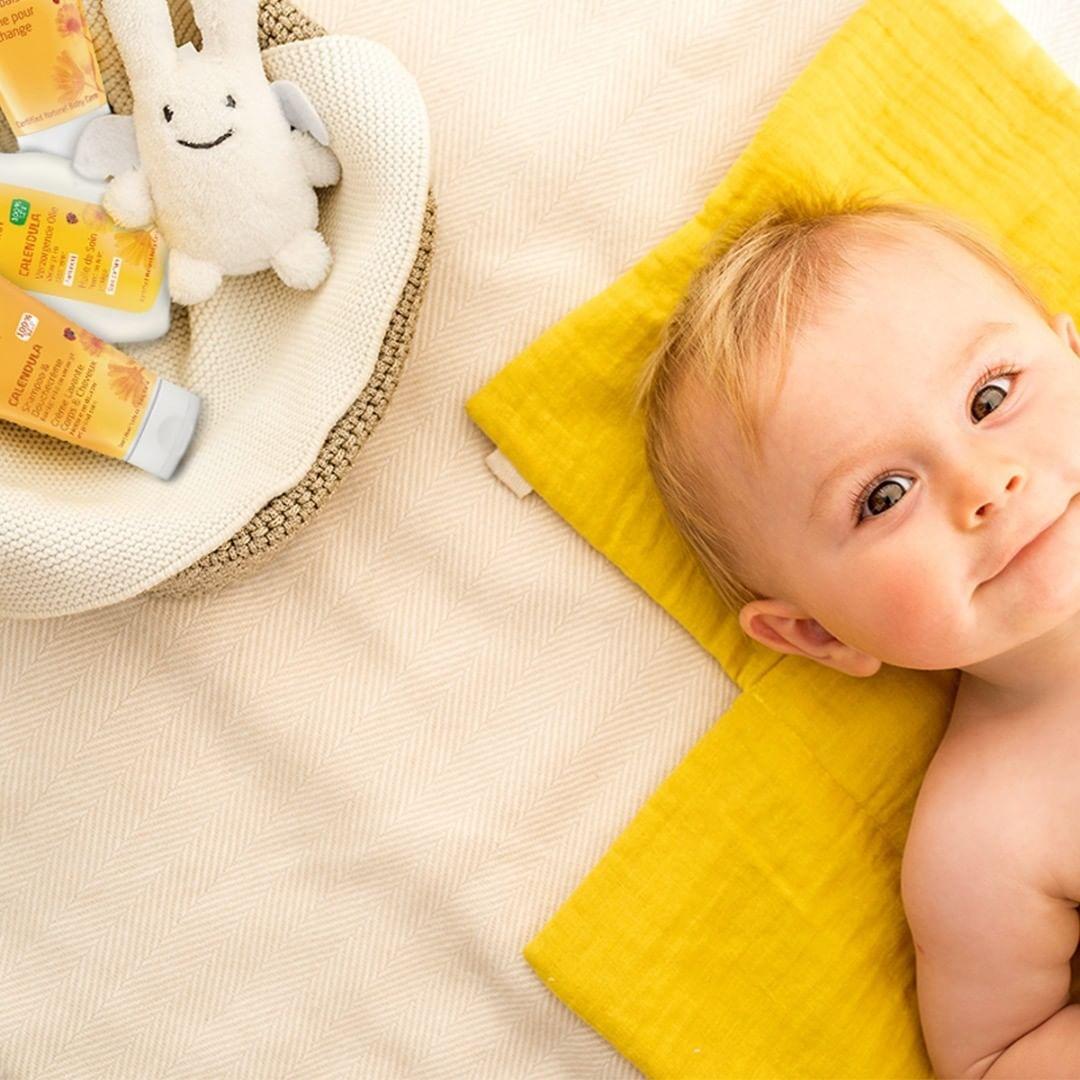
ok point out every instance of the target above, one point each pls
(230, 28)
(143, 32)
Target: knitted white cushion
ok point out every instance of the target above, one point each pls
(275, 368)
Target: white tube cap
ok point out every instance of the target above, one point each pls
(166, 430)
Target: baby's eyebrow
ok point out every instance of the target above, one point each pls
(954, 370)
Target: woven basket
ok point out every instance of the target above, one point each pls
(286, 513)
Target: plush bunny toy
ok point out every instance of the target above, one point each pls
(222, 161)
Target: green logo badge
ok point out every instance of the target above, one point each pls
(20, 211)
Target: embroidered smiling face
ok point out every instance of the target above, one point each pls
(202, 106)
(205, 105)
(169, 115)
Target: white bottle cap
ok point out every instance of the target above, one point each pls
(61, 138)
(166, 430)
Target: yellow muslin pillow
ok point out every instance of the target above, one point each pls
(748, 922)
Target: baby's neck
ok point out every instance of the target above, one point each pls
(1041, 675)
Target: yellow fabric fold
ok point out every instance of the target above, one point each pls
(748, 922)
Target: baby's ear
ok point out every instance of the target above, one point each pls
(230, 28)
(1066, 330)
(785, 628)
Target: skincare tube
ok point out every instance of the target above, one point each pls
(59, 379)
(50, 82)
(58, 243)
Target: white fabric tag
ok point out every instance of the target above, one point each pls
(503, 468)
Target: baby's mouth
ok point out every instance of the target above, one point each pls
(207, 145)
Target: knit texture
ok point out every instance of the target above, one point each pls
(292, 383)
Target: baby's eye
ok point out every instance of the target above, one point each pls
(884, 494)
(994, 376)
(885, 491)
(230, 102)
(168, 114)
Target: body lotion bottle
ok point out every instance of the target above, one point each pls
(58, 244)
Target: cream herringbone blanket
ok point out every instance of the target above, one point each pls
(302, 827)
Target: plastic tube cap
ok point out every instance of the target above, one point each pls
(166, 431)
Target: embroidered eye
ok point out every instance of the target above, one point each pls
(168, 114)
(881, 493)
(230, 102)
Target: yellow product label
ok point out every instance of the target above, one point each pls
(61, 380)
(63, 247)
(48, 69)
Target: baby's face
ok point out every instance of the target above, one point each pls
(886, 416)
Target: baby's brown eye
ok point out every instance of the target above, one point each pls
(885, 495)
(878, 496)
(168, 114)
(230, 102)
(995, 392)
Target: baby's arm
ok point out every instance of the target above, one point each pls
(992, 954)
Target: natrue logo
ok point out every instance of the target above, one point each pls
(20, 211)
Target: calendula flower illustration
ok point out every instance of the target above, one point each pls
(69, 20)
(93, 345)
(128, 381)
(136, 245)
(72, 81)
(95, 215)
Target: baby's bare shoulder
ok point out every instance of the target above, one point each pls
(985, 797)
(1004, 789)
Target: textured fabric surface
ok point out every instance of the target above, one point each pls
(781, 835)
(302, 827)
(277, 369)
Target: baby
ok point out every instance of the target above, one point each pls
(907, 495)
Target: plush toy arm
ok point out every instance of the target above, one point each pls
(107, 147)
(320, 162)
(128, 200)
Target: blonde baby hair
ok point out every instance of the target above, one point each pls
(744, 306)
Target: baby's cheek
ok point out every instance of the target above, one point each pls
(905, 596)
(911, 618)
